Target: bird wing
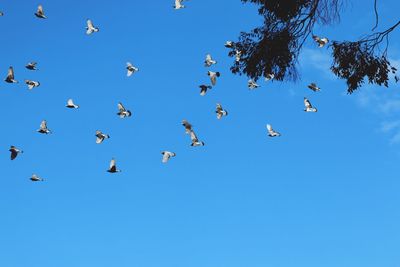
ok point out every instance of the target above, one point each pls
(193, 137)
(14, 154)
(89, 24)
(40, 10)
(113, 164)
(121, 107)
(213, 79)
(219, 108)
(269, 128)
(10, 73)
(70, 102)
(166, 156)
(43, 125)
(307, 103)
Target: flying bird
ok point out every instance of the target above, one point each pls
(213, 76)
(31, 66)
(123, 112)
(321, 41)
(272, 132)
(238, 55)
(269, 76)
(209, 61)
(252, 84)
(195, 140)
(113, 167)
(229, 44)
(43, 128)
(14, 152)
(10, 76)
(178, 4)
(130, 69)
(204, 88)
(100, 137)
(220, 112)
(187, 125)
(71, 104)
(40, 13)
(90, 28)
(36, 178)
(32, 84)
(167, 155)
(1, 13)
(314, 87)
(308, 106)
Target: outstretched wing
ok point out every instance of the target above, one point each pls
(43, 125)
(10, 73)
(193, 137)
(121, 108)
(40, 10)
(307, 103)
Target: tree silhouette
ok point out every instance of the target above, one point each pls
(274, 47)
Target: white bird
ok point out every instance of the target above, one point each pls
(40, 13)
(123, 112)
(31, 66)
(10, 76)
(32, 84)
(314, 87)
(195, 140)
(36, 178)
(167, 155)
(71, 104)
(43, 128)
(187, 125)
(229, 44)
(90, 28)
(308, 106)
(204, 88)
(220, 111)
(113, 167)
(213, 76)
(269, 76)
(238, 55)
(130, 69)
(100, 137)
(14, 152)
(271, 131)
(178, 4)
(252, 84)
(209, 61)
(321, 41)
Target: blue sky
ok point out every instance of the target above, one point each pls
(323, 194)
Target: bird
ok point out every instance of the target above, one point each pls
(123, 112)
(314, 87)
(269, 77)
(40, 13)
(209, 61)
(220, 111)
(213, 76)
(308, 106)
(238, 55)
(113, 167)
(100, 137)
(10, 76)
(167, 155)
(321, 41)
(252, 84)
(36, 178)
(271, 131)
(204, 88)
(32, 84)
(178, 4)
(1, 13)
(43, 128)
(71, 104)
(90, 28)
(195, 140)
(187, 125)
(14, 152)
(130, 69)
(31, 66)
(229, 44)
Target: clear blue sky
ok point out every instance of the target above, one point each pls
(326, 193)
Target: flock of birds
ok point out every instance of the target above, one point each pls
(124, 113)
